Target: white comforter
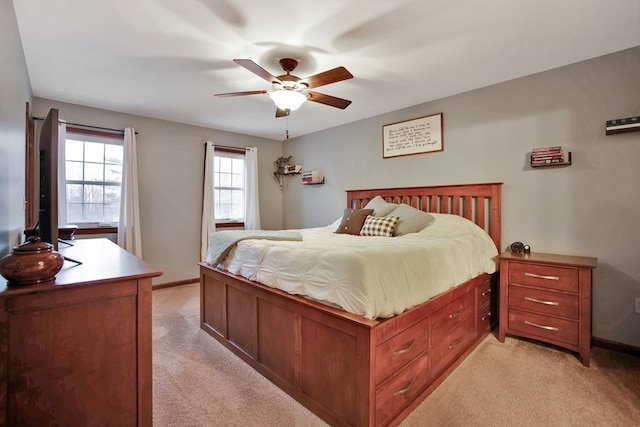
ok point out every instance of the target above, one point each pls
(369, 276)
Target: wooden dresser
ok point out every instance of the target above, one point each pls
(78, 352)
(547, 297)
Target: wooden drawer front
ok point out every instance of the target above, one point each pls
(446, 319)
(546, 276)
(453, 344)
(392, 354)
(396, 393)
(545, 327)
(484, 294)
(484, 317)
(544, 302)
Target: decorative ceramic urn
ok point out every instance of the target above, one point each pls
(31, 263)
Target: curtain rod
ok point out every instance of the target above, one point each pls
(86, 126)
(228, 147)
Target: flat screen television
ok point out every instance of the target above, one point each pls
(48, 191)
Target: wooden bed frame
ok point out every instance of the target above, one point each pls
(347, 369)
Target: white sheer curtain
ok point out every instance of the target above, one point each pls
(62, 175)
(251, 203)
(208, 212)
(129, 225)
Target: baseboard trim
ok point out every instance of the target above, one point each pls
(177, 283)
(612, 345)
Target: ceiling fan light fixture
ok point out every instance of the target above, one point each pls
(287, 99)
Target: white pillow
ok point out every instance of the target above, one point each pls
(411, 219)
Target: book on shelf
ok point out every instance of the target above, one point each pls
(547, 161)
(548, 156)
(553, 149)
(539, 153)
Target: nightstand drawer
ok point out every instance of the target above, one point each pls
(544, 302)
(546, 327)
(564, 279)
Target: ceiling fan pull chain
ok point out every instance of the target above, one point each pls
(287, 131)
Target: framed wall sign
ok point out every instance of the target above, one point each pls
(415, 136)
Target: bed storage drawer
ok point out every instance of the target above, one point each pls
(396, 352)
(485, 293)
(485, 306)
(452, 346)
(546, 276)
(394, 394)
(545, 302)
(455, 313)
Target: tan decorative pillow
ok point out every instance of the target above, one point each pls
(380, 206)
(379, 226)
(352, 221)
(411, 219)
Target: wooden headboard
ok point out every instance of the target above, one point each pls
(479, 203)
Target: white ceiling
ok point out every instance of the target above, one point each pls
(166, 58)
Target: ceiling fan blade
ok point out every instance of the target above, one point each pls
(256, 69)
(329, 100)
(336, 75)
(282, 113)
(251, 92)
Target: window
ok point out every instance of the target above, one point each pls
(228, 182)
(93, 176)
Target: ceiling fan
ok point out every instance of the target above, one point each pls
(289, 91)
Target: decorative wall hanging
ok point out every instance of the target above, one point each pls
(415, 136)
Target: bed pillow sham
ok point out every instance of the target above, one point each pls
(411, 219)
(380, 206)
(353, 220)
(379, 226)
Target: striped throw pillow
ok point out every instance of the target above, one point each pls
(379, 226)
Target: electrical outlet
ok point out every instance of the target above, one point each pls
(637, 304)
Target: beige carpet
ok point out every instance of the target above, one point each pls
(198, 382)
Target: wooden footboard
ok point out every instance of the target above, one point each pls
(347, 369)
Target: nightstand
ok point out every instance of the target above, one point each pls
(547, 297)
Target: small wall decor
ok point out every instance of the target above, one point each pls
(550, 156)
(630, 124)
(415, 136)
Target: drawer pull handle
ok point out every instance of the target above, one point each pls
(541, 302)
(486, 292)
(456, 314)
(455, 343)
(488, 316)
(537, 276)
(406, 389)
(405, 350)
(548, 328)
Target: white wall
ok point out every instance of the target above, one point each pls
(171, 165)
(591, 208)
(15, 92)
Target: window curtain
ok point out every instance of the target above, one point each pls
(251, 203)
(62, 175)
(129, 224)
(208, 213)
